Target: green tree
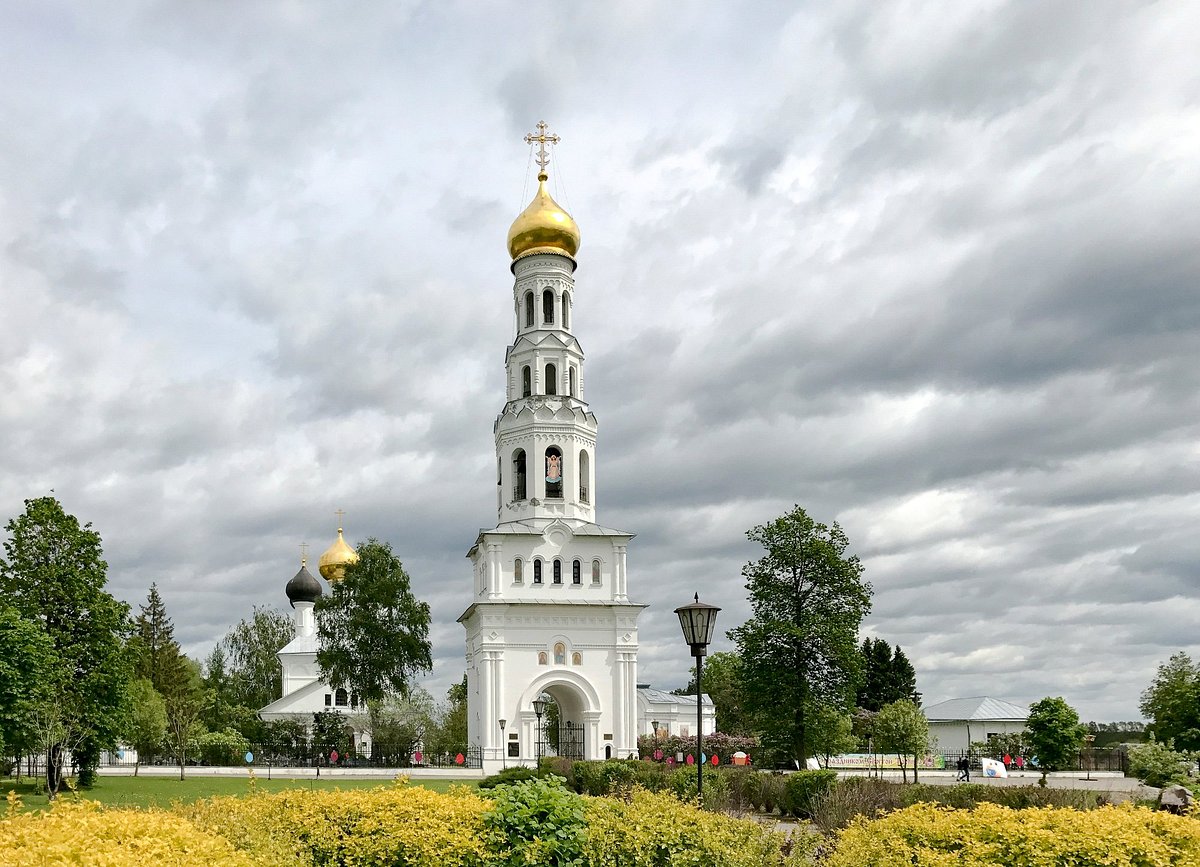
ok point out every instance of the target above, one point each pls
(1172, 702)
(799, 650)
(887, 676)
(1161, 765)
(1053, 734)
(185, 697)
(146, 725)
(723, 684)
(398, 724)
(153, 645)
(53, 575)
(901, 728)
(330, 732)
(26, 665)
(452, 727)
(253, 676)
(374, 633)
(832, 732)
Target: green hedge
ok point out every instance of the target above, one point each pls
(803, 789)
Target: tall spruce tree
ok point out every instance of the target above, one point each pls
(53, 575)
(153, 646)
(799, 649)
(887, 676)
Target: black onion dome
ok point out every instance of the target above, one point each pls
(303, 588)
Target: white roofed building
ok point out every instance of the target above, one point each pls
(959, 722)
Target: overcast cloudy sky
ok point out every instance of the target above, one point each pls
(927, 269)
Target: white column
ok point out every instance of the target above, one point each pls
(620, 583)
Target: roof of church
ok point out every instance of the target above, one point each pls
(659, 696)
(980, 707)
(302, 644)
(303, 587)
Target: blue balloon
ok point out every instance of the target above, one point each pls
(703, 758)
(249, 757)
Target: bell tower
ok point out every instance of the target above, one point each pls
(551, 615)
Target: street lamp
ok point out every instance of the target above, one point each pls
(503, 747)
(654, 725)
(698, 622)
(539, 708)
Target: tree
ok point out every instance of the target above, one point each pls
(153, 646)
(1172, 701)
(832, 732)
(147, 722)
(184, 696)
(26, 664)
(799, 650)
(452, 728)
(723, 684)
(329, 732)
(53, 575)
(901, 728)
(253, 675)
(398, 725)
(887, 676)
(1054, 734)
(374, 633)
(1160, 765)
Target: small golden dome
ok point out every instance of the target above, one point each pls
(543, 227)
(335, 560)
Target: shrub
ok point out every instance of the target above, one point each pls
(716, 787)
(656, 829)
(771, 791)
(589, 778)
(536, 822)
(516, 774)
(801, 790)
(83, 833)
(558, 767)
(991, 834)
(743, 788)
(222, 748)
(1161, 765)
(837, 806)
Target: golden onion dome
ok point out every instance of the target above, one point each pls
(543, 227)
(335, 560)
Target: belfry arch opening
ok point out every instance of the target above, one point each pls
(566, 304)
(551, 379)
(520, 490)
(528, 309)
(554, 473)
(571, 378)
(548, 307)
(526, 381)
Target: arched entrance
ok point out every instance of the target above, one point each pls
(568, 725)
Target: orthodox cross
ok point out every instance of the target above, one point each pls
(340, 514)
(541, 138)
(303, 553)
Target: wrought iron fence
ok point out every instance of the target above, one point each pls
(316, 756)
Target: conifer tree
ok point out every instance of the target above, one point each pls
(153, 647)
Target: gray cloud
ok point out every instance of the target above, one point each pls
(932, 275)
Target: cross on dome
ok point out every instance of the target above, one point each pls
(543, 159)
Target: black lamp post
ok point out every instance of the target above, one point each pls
(539, 708)
(503, 747)
(698, 622)
(654, 724)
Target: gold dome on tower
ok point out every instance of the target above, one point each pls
(336, 558)
(543, 227)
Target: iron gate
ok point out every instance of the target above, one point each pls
(564, 740)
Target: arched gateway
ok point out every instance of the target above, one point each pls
(536, 627)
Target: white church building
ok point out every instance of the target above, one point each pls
(552, 616)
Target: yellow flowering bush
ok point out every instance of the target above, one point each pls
(81, 832)
(651, 829)
(934, 836)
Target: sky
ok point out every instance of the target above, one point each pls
(929, 270)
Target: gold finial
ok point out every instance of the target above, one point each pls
(340, 514)
(541, 138)
(303, 553)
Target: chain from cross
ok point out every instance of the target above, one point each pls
(541, 138)
(340, 514)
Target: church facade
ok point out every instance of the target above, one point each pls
(552, 618)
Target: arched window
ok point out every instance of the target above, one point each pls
(354, 699)
(607, 751)
(575, 573)
(576, 658)
(571, 377)
(566, 302)
(560, 654)
(341, 698)
(537, 571)
(554, 473)
(518, 571)
(542, 657)
(519, 491)
(526, 381)
(548, 307)
(557, 571)
(551, 379)
(528, 309)
(584, 475)
(595, 571)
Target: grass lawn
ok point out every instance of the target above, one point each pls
(161, 791)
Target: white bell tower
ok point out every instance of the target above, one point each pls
(551, 613)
